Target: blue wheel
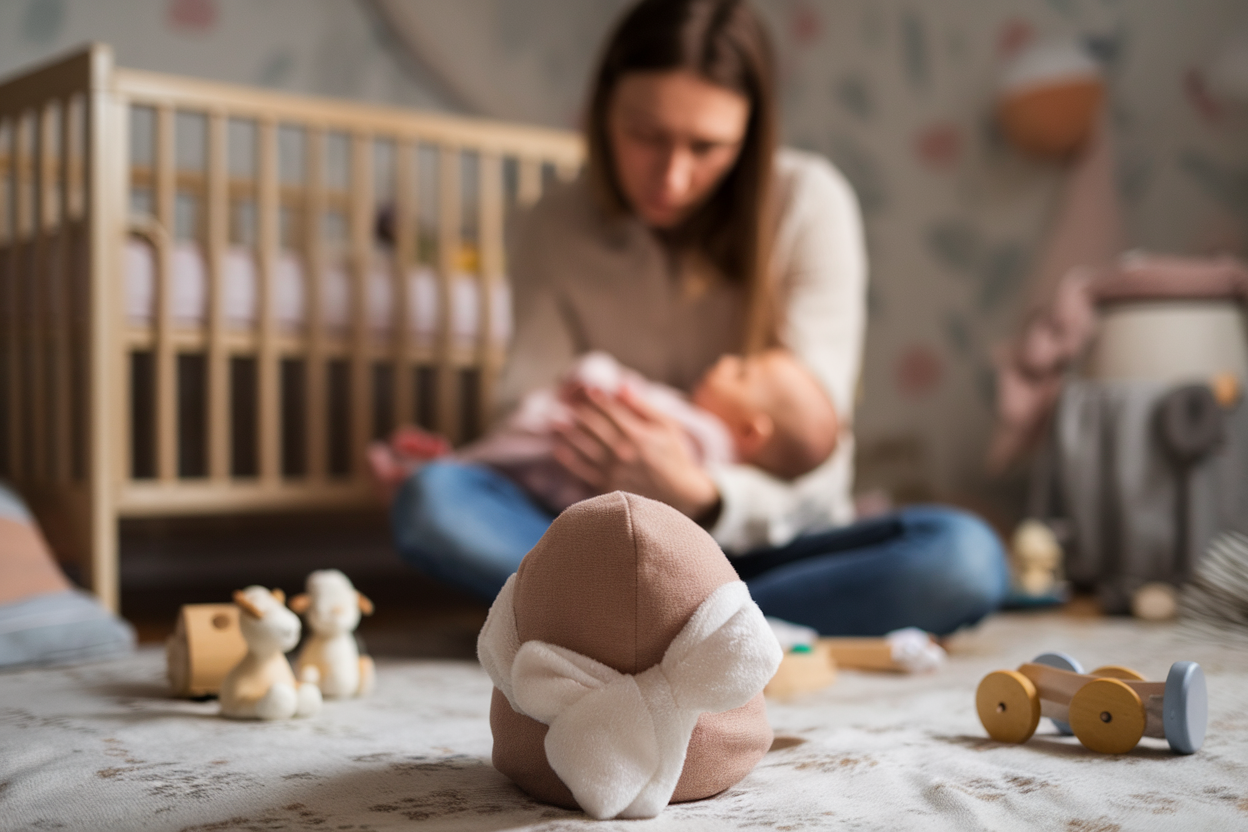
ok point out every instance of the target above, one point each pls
(1062, 662)
(1186, 707)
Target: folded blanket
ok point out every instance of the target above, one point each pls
(43, 618)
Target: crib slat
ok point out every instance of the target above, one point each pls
(166, 359)
(6, 167)
(314, 211)
(14, 327)
(361, 187)
(65, 339)
(217, 239)
(22, 251)
(449, 220)
(530, 185)
(37, 286)
(105, 216)
(489, 356)
(267, 244)
(404, 259)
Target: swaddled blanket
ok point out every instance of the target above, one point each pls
(523, 444)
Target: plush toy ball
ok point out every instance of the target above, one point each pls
(1049, 99)
(618, 586)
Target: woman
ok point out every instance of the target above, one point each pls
(690, 236)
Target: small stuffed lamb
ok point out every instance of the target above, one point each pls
(262, 686)
(332, 608)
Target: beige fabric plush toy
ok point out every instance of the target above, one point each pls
(629, 663)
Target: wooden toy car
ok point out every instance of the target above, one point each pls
(1108, 710)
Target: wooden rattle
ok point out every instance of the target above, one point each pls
(1108, 710)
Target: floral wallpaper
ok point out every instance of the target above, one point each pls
(898, 93)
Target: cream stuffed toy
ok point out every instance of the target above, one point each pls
(628, 662)
(262, 685)
(332, 607)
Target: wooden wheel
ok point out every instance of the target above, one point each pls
(1008, 705)
(1117, 671)
(1107, 716)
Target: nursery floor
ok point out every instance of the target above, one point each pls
(103, 747)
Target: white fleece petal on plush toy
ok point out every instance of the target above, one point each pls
(719, 654)
(606, 762)
(497, 642)
(548, 679)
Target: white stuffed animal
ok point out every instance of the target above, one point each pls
(262, 685)
(332, 608)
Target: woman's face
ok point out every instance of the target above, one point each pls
(673, 137)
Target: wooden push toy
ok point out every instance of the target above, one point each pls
(1108, 710)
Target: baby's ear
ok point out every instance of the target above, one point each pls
(753, 433)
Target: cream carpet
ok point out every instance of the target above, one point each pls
(102, 747)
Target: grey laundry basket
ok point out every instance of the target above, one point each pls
(1133, 502)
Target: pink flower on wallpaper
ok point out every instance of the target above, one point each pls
(918, 371)
(1014, 35)
(1199, 97)
(805, 25)
(938, 146)
(192, 15)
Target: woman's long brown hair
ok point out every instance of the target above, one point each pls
(724, 42)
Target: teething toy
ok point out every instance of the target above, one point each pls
(1108, 710)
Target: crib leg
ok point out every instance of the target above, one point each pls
(101, 563)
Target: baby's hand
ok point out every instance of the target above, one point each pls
(413, 443)
(571, 391)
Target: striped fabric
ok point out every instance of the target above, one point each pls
(43, 619)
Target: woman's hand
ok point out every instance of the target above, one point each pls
(621, 443)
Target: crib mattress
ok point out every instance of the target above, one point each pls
(240, 278)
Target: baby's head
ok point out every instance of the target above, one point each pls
(780, 418)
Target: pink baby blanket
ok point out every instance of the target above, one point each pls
(522, 446)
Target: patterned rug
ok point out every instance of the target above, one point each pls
(102, 747)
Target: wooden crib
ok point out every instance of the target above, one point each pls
(176, 397)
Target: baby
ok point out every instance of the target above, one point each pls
(764, 410)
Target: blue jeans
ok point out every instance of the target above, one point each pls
(929, 567)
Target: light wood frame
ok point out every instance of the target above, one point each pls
(65, 343)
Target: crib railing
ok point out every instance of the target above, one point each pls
(104, 417)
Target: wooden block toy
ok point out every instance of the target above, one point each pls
(1108, 710)
(909, 650)
(803, 669)
(205, 644)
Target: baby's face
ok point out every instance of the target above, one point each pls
(734, 389)
(778, 415)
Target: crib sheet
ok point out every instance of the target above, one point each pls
(189, 295)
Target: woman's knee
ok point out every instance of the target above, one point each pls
(424, 506)
(971, 562)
